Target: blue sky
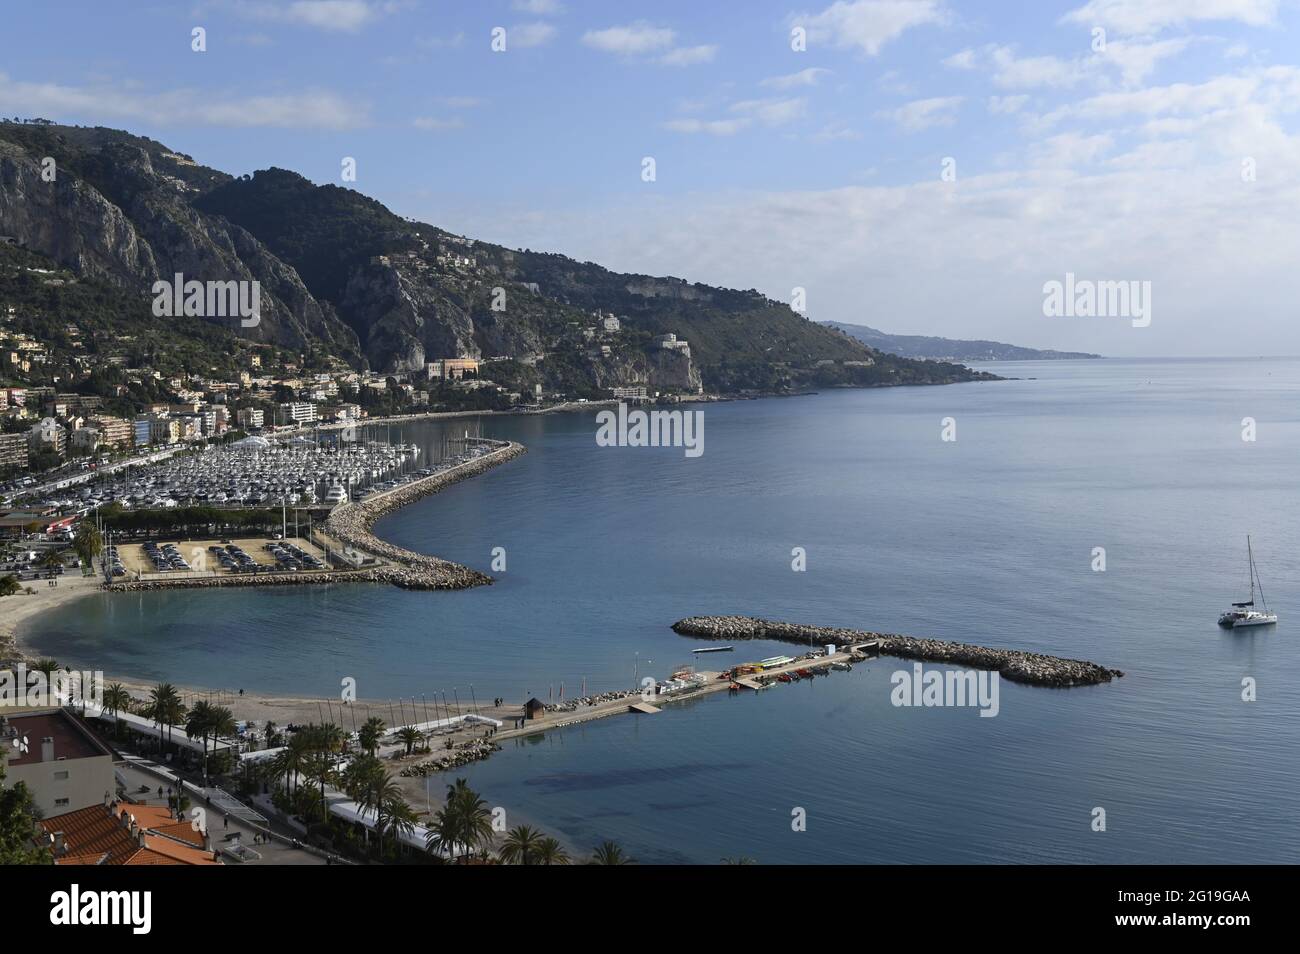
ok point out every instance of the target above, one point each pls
(775, 168)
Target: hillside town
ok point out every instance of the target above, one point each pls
(57, 416)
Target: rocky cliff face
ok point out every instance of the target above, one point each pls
(129, 222)
(69, 221)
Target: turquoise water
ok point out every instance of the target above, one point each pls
(987, 539)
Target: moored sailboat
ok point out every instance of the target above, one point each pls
(1244, 614)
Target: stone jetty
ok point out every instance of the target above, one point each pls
(351, 524)
(1034, 669)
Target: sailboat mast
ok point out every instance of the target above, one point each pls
(1250, 564)
(1254, 575)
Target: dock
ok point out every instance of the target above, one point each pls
(711, 682)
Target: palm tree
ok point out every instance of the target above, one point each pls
(221, 722)
(116, 698)
(549, 852)
(409, 736)
(370, 734)
(463, 824)
(393, 814)
(46, 666)
(520, 845)
(609, 853)
(295, 757)
(199, 724)
(165, 705)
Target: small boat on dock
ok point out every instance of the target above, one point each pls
(841, 667)
(714, 649)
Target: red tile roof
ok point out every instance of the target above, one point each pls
(97, 836)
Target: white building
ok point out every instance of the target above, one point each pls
(298, 412)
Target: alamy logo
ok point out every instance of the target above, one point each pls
(19, 687)
(196, 299)
(651, 429)
(1084, 298)
(75, 907)
(952, 687)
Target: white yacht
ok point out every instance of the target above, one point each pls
(1244, 614)
(336, 495)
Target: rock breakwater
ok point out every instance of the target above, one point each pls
(1033, 669)
(351, 524)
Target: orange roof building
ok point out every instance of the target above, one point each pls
(117, 834)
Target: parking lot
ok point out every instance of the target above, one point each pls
(226, 556)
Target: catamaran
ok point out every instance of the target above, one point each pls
(1244, 614)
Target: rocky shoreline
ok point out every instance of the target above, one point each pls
(463, 754)
(1033, 669)
(351, 524)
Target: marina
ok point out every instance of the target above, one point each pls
(253, 472)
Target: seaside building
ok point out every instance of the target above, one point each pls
(63, 766)
(48, 435)
(670, 342)
(114, 431)
(632, 394)
(448, 369)
(13, 450)
(298, 412)
(143, 429)
(250, 417)
(163, 430)
(84, 440)
(110, 833)
(534, 708)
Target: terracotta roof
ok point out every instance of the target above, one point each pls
(97, 836)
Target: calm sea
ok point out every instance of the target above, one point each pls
(988, 538)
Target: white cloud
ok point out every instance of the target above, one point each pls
(524, 35)
(634, 39)
(538, 8)
(867, 25)
(772, 112)
(433, 124)
(964, 60)
(924, 113)
(1137, 61)
(1069, 150)
(1031, 72)
(836, 132)
(346, 16)
(808, 77)
(1141, 17)
(714, 127)
(689, 55)
(182, 107)
(1005, 105)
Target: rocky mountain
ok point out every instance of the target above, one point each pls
(341, 274)
(949, 349)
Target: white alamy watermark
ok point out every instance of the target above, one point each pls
(651, 429)
(24, 687)
(196, 299)
(1085, 298)
(74, 907)
(977, 688)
